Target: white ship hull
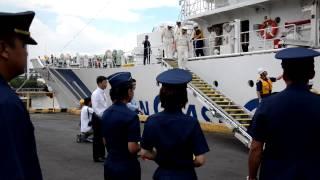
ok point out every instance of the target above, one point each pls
(231, 70)
(231, 73)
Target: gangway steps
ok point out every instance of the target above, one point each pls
(233, 111)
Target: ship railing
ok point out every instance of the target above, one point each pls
(197, 7)
(29, 90)
(139, 51)
(74, 64)
(194, 7)
(262, 43)
(156, 51)
(245, 42)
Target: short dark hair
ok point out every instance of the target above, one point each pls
(100, 79)
(173, 97)
(9, 38)
(87, 101)
(120, 93)
(133, 80)
(298, 71)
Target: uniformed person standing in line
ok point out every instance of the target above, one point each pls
(167, 39)
(288, 125)
(177, 33)
(146, 50)
(18, 153)
(100, 103)
(213, 45)
(172, 139)
(121, 131)
(178, 30)
(264, 84)
(182, 46)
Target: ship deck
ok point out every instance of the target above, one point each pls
(62, 158)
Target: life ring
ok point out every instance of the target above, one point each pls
(266, 24)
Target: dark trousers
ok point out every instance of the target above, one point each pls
(199, 52)
(122, 170)
(97, 145)
(164, 174)
(146, 57)
(198, 45)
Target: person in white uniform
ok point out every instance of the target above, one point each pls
(85, 123)
(167, 38)
(177, 33)
(178, 30)
(99, 105)
(182, 45)
(99, 97)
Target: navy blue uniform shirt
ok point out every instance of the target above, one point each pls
(176, 137)
(18, 153)
(146, 45)
(289, 125)
(120, 125)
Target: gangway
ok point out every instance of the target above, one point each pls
(65, 83)
(234, 116)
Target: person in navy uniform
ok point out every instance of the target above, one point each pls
(172, 139)
(146, 50)
(18, 153)
(121, 131)
(288, 124)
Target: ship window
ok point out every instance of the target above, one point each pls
(215, 83)
(245, 35)
(251, 83)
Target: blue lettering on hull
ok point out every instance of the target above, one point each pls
(144, 108)
(191, 109)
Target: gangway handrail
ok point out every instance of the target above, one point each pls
(236, 126)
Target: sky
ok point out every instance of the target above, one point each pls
(91, 26)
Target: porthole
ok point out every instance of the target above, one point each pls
(215, 83)
(250, 83)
